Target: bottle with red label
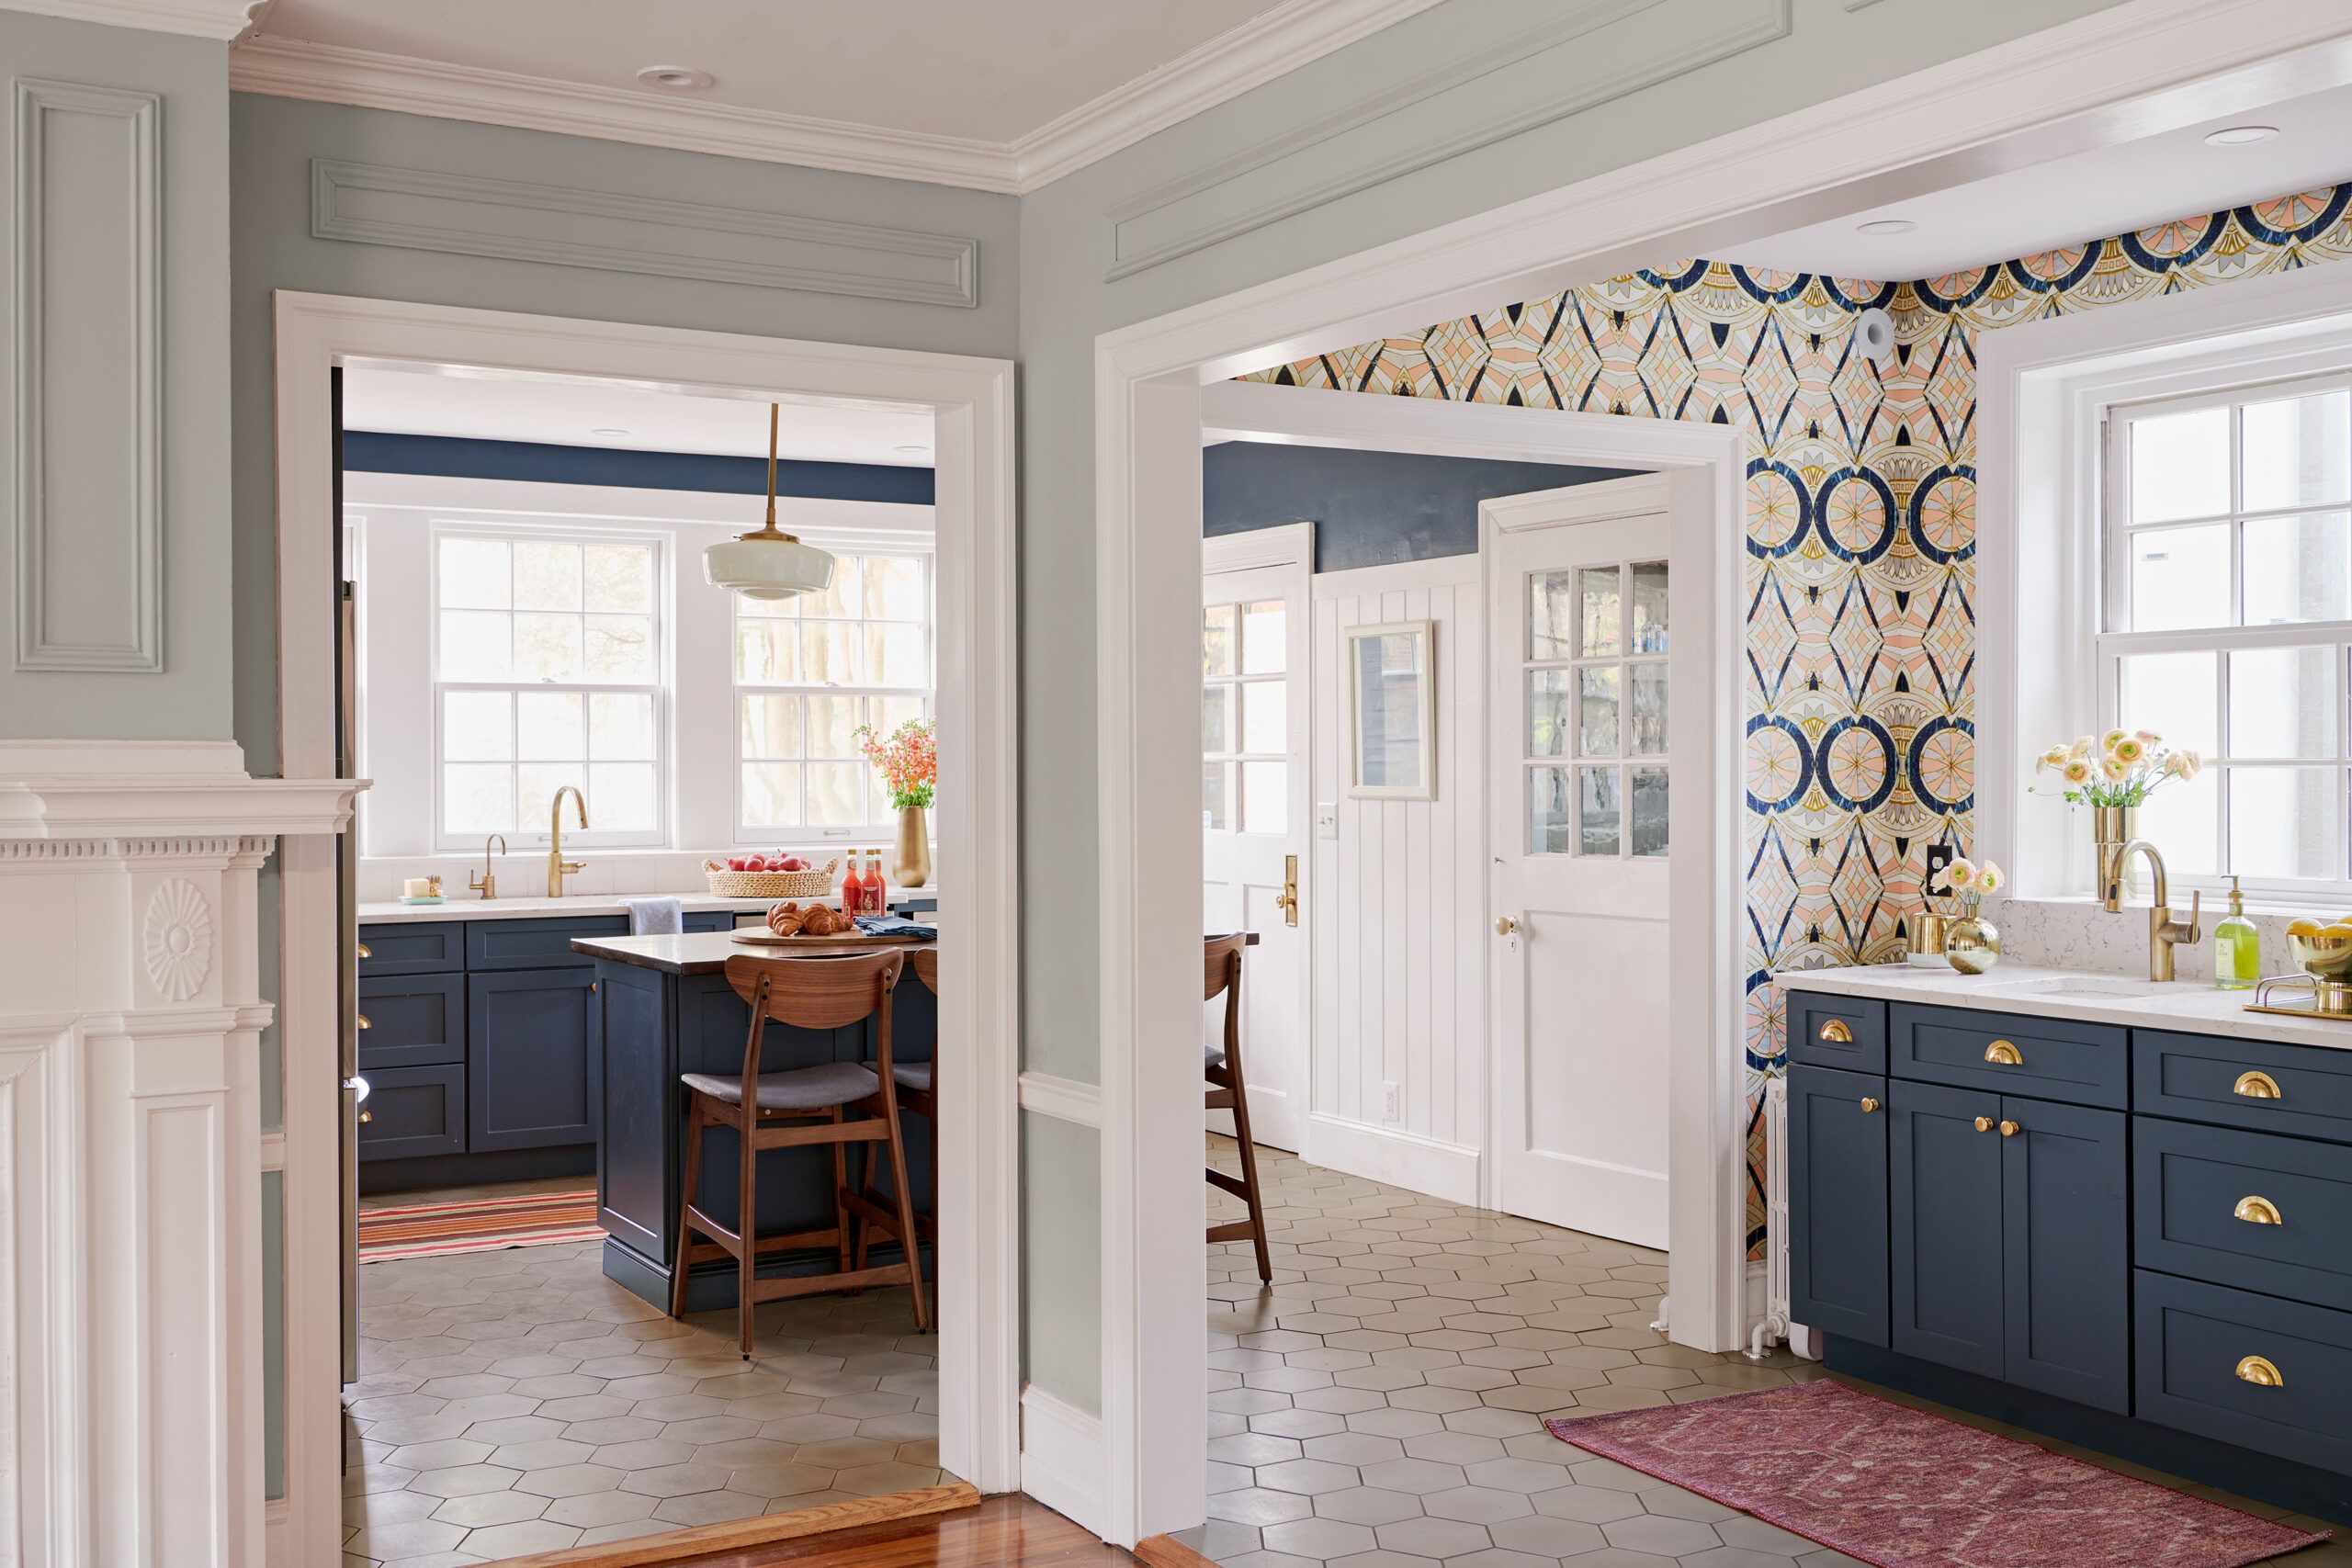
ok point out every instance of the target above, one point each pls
(853, 886)
(877, 890)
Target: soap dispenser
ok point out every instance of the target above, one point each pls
(2238, 947)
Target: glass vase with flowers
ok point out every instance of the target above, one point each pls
(2113, 773)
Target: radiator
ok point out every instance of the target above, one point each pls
(1774, 1326)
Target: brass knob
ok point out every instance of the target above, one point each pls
(1505, 925)
(2009, 1129)
(2256, 1086)
(2259, 1212)
(367, 1116)
(1868, 1104)
(366, 951)
(1984, 1123)
(2004, 1054)
(2261, 1372)
(1286, 901)
(1837, 1033)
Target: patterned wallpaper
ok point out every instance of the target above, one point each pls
(1861, 528)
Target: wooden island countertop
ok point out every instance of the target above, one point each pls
(706, 952)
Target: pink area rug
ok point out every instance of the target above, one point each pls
(1903, 1488)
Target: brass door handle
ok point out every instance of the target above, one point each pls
(1288, 902)
(2256, 1086)
(1868, 1104)
(1505, 925)
(1837, 1033)
(2261, 1372)
(2259, 1212)
(2004, 1054)
(2009, 1129)
(1984, 1123)
(368, 952)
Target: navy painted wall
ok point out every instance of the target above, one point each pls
(374, 452)
(1368, 508)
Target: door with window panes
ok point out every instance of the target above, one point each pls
(1580, 774)
(1253, 827)
(2228, 626)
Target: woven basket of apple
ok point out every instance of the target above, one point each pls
(776, 875)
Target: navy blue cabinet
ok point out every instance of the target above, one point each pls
(414, 1021)
(529, 1074)
(413, 1113)
(1945, 1160)
(1838, 1202)
(2067, 1259)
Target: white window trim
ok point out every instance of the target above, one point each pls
(2043, 389)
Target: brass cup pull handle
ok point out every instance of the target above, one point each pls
(2256, 1086)
(362, 1020)
(1869, 1104)
(2010, 1129)
(2003, 1054)
(1984, 1123)
(2261, 1372)
(2259, 1212)
(1837, 1033)
(368, 952)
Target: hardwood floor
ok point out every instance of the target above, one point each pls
(1010, 1531)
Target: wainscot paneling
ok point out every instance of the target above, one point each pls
(522, 221)
(87, 506)
(1586, 53)
(1399, 963)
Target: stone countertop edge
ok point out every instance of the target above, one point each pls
(2188, 1006)
(706, 952)
(466, 907)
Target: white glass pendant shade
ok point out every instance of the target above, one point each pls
(768, 563)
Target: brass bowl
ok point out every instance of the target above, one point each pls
(2325, 953)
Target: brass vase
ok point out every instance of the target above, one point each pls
(1973, 943)
(2113, 827)
(910, 863)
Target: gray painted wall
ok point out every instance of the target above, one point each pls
(86, 526)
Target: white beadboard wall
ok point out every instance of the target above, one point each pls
(1400, 986)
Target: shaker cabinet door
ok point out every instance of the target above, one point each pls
(531, 1036)
(1947, 1230)
(2067, 1278)
(1837, 1203)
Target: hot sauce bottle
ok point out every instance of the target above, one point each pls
(877, 890)
(853, 886)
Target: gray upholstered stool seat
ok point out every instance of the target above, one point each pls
(801, 1088)
(912, 1075)
(1211, 1057)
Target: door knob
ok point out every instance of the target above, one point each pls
(2009, 1129)
(1868, 1104)
(1505, 925)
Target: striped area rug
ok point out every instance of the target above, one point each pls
(477, 1225)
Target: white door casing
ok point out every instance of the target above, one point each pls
(1579, 772)
(1256, 827)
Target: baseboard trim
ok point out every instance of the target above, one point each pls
(1166, 1551)
(735, 1535)
(1393, 1155)
(1062, 1458)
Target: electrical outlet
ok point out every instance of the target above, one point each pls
(1938, 857)
(1391, 1108)
(1327, 820)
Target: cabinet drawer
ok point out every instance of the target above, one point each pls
(418, 948)
(2305, 1090)
(2194, 1339)
(2009, 1053)
(414, 1021)
(1830, 1031)
(2205, 1193)
(535, 944)
(413, 1111)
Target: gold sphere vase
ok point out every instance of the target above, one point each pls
(1972, 944)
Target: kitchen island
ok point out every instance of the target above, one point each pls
(664, 1007)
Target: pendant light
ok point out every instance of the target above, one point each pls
(768, 563)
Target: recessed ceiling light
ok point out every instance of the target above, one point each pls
(1885, 226)
(608, 430)
(913, 447)
(2240, 135)
(676, 78)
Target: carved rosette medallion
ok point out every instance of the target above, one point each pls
(179, 939)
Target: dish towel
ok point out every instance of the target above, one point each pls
(656, 917)
(892, 925)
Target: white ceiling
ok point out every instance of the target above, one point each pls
(2089, 195)
(428, 401)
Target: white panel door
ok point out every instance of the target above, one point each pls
(1254, 816)
(1580, 657)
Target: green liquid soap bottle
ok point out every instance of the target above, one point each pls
(2238, 947)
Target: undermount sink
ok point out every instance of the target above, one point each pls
(2077, 986)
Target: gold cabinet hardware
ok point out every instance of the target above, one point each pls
(1837, 1033)
(2259, 1212)
(1505, 925)
(366, 951)
(2010, 1129)
(2256, 1086)
(1288, 901)
(1984, 1123)
(1870, 1104)
(2261, 1372)
(2004, 1054)
(366, 1116)
(362, 1020)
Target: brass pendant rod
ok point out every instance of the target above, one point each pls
(769, 530)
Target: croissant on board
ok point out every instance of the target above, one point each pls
(791, 919)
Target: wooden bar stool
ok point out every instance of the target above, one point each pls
(917, 1084)
(797, 1107)
(1228, 1090)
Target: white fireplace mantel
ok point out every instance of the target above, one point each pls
(131, 1016)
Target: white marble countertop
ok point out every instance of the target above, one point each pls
(2189, 1006)
(467, 907)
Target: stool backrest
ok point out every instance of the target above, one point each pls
(1224, 962)
(924, 962)
(817, 993)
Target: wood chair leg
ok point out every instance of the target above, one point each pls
(685, 1208)
(842, 1220)
(747, 1226)
(1249, 1179)
(908, 1236)
(866, 1189)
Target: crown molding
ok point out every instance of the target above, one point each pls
(1248, 56)
(222, 19)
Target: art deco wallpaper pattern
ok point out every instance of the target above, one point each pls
(1861, 488)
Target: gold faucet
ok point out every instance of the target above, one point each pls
(487, 882)
(557, 865)
(2163, 932)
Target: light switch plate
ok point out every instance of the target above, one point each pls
(1327, 819)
